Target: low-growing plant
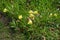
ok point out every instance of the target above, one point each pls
(36, 19)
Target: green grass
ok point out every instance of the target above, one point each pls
(46, 23)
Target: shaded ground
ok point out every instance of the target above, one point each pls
(5, 34)
(54, 34)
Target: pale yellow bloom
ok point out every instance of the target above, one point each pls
(36, 12)
(55, 14)
(30, 21)
(5, 10)
(30, 11)
(20, 17)
(31, 15)
(50, 14)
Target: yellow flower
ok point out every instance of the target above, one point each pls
(5, 10)
(55, 14)
(30, 11)
(30, 21)
(20, 17)
(35, 12)
(31, 15)
(50, 14)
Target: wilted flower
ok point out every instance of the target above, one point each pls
(20, 17)
(35, 12)
(55, 14)
(30, 11)
(30, 21)
(5, 10)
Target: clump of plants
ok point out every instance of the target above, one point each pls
(36, 19)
